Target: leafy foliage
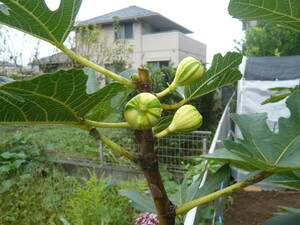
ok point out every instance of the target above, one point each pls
(140, 201)
(21, 159)
(190, 192)
(35, 18)
(98, 202)
(4, 80)
(281, 93)
(286, 13)
(207, 104)
(186, 192)
(58, 98)
(223, 71)
(39, 199)
(290, 219)
(290, 178)
(270, 40)
(261, 149)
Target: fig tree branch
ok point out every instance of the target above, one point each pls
(114, 146)
(221, 193)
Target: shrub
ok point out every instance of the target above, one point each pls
(96, 201)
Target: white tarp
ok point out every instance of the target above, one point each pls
(251, 93)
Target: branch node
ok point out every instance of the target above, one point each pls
(171, 212)
(95, 133)
(148, 162)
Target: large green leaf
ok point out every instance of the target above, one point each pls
(223, 71)
(263, 149)
(52, 98)
(104, 108)
(290, 178)
(4, 80)
(290, 219)
(188, 193)
(284, 12)
(35, 18)
(140, 201)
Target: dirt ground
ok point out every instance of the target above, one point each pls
(255, 207)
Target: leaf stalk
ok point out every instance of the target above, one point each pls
(114, 146)
(106, 125)
(176, 105)
(166, 91)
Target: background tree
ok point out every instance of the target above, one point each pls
(268, 39)
(92, 42)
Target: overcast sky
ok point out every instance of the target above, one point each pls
(208, 19)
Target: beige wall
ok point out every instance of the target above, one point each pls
(170, 46)
(191, 47)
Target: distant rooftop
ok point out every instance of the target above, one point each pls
(133, 13)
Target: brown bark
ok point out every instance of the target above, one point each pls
(149, 164)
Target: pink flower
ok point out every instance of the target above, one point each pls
(147, 219)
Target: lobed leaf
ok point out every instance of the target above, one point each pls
(35, 18)
(52, 98)
(290, 178)
(290, 219)
(191, 192)
(262, 149)
(223, 71)
(140, 201)
(4, 80)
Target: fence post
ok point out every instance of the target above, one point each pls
(204, 145)
(101, 156)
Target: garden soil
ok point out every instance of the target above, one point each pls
(254, 207)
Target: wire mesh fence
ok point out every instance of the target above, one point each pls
(176, 152)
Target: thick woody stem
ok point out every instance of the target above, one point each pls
(149, 164)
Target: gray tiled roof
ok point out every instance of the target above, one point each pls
(137, 13)
(57, 58)
(123, 14)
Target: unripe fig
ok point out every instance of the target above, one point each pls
(186, 119)
(188, 71)
(143, 111)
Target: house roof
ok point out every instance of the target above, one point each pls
(133, 13)
(57, 58)
(272, 68)
(7, 64)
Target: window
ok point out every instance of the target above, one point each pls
(124, 31)
(158, 64)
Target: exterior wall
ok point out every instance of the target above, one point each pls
(170, 46)
(191, 47)
(160, 47)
